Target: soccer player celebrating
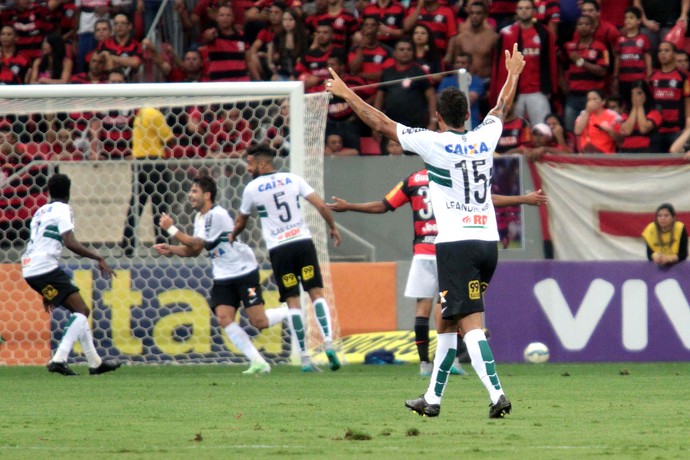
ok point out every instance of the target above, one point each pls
(235, 270)
(460, 165)
(51, 227)
(276, 197)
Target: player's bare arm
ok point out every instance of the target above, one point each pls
(372, 207)
(191, 246)
(532, 199)
(514, 65)
(240, 224)
(325, 212)
(76, 247)
(374, 118)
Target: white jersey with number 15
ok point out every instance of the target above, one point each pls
(460, 167)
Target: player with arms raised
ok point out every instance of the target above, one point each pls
(51, 227)
(276, 196)
(460, 166)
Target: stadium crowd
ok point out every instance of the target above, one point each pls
(603, 78)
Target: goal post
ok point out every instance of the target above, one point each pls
(156, 309)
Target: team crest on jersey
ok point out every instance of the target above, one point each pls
(275, 183)
(474, 290)
(49, 292)
(307, 272)
(289, 280)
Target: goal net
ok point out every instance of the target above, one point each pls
(156, 309)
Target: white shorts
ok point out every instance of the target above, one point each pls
(422, 282)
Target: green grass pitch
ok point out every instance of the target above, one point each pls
(560, 411)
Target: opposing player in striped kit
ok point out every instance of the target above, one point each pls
(235, 270)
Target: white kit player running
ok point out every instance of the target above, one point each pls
(276, 197)
(51, 227)
(235, 270)
(460, 165)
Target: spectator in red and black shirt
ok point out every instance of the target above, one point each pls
(517, 133)
(341, 119)
(390, 15)
(368, 57)
(32, 22)
(587, 61)
(13, 65)
(633, 60)
(257, 56)
(225, 51)
(440, 19)
(548, 12)
(313, 68)
(343, 23)
(640, 124)
(122, 50)
(671, 93)
(191, 69)
(96, 73)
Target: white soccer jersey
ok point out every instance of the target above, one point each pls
(276, 198)
(47, 226)
(229, 260)
(460, 168)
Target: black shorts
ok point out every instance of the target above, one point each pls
(465, 269)
(295, 262)
(245, 289)
(54, 286)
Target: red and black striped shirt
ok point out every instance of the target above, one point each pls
(515, 133)
(338, 109)
(344, 25)
(315, 63)
(131, 48)
(631, 52)
(441, 22)
(547, 11)
(669, 90)
(414, 189)
(13, 68)
(391, 16)
(636, 142)
(581, 80)
(225, 58)
(374, 60)
(32, 25)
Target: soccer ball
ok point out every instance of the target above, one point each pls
(536, 352)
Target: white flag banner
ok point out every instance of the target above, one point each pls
(598, 206)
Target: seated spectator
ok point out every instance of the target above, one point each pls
(565, 139)
(288, 46)
(122, 50)
(393, 148)
(476, 89)
(517, 133)
(597, 127)
(666, 237)
(543, 142)
(639, 125)
(96, 73)
(15, 65)
(93, 29)
(190, 69)
(257, 56)
(425, 52)
(32, 21)
(224, 52)
(54, 66)
(368, 56)
(334, 147)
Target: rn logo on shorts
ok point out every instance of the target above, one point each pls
(474, 290)
(49, 292)
(307, 272)
(289, 280)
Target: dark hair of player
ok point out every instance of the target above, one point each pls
(59, 187)
(207, 184)
(452, 106)
(262, 151)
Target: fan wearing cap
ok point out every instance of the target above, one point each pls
(543, 141)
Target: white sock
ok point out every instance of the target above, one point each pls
(323, 316)
(445, 354)
(77, 322)
(483, 362)
(276, 315)
(86, 340)
(241, 340)
(296, 319)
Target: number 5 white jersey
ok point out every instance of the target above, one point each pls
(460, 168)
(276, 198)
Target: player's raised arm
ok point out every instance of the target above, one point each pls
(514, 65)
(372, 207)
(374, 118)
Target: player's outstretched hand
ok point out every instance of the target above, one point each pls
(162, 248)
(515, 62)
(335, 85)
(335, 236)
(338, 205)
(165, 221)
(105, 269)
(536, 198)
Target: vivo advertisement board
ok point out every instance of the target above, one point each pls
(590, 311)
